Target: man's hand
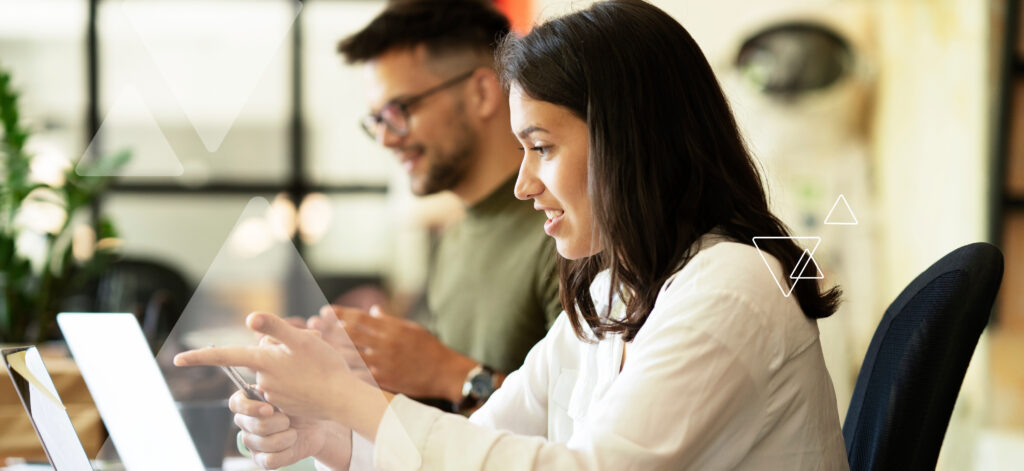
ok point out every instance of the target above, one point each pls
(402, 356)
(333, 332)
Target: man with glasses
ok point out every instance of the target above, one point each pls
(437, 104)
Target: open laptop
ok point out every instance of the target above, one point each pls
(45, 409)
(130, 392)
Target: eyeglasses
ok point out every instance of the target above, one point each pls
(395, 113)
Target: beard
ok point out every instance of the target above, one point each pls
(447, 168)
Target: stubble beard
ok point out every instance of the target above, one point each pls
(448, 169)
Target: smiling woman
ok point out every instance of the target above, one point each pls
(677, 349)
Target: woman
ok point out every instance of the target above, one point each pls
(677, 348)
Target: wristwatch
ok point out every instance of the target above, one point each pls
(478, 387)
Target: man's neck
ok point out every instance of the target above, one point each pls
(498, 161)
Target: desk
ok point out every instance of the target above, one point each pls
(230, 464)
(18, 439)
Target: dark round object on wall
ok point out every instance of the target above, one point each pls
(789, 59)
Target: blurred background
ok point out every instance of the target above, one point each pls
(912, 110)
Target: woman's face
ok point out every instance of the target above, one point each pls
(554, 171)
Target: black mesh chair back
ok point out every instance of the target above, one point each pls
(914, 367)
(154, 291)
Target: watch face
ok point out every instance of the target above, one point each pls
(483, 385)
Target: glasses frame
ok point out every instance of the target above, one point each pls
(371, 122)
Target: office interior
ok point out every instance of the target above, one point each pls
(250, 185)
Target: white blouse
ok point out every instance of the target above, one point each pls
(726, 373)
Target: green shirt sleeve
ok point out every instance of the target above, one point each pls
(547, 282)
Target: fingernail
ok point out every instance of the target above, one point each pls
(266, 410)
(255, 321)
(375, 310)
(178, 361)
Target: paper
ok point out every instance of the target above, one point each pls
(17, 362)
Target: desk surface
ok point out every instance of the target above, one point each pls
(230, 464)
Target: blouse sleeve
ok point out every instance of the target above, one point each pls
(685, 399)
(520, 405)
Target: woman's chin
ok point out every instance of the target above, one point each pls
(574, 249)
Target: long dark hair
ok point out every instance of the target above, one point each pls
(667, 163)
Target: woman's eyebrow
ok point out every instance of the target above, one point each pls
(525, 132)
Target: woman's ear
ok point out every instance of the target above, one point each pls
(486, 93)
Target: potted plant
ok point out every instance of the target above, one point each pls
(51, 242)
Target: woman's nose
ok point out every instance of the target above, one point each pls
(527, 184)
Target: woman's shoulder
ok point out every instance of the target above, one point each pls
(726, 265)
(728, 291)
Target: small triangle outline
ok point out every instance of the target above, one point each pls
(849, 210)
(775, 278)
(802, 266)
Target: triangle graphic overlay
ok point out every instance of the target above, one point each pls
(806, 261)
(152, 155)
(256, 269)
(230, 47)
(846, 216)
(759, 241)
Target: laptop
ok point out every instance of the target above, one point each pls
(46, 411)
(130, 392)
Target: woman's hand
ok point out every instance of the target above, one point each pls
(301, 374)
(277, 440)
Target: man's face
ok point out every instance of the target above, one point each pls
(440, 145)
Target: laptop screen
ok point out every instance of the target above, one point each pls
(45, 409)
(129, 391)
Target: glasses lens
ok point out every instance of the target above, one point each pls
(391, 116)
(369, 125)
(394, 118)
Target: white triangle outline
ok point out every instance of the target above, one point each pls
(802, 266)
(167, 166)
(848, 210)
(212, 134)
(786, 293)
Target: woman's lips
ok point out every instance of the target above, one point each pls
(554, 217)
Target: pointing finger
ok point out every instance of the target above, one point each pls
(248, 357)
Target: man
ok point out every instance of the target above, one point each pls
(437, 104)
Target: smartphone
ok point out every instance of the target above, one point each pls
(236, 377)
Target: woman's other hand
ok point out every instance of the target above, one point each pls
(277, 440)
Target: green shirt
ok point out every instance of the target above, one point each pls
(493, 290)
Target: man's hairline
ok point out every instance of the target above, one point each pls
(475, 57)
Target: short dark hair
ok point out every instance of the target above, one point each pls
(441, 25)
(667, 163)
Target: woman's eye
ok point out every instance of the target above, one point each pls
(540, 150)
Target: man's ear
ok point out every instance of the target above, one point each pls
(485, 93)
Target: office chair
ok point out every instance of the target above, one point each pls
(916, 362)
(154, 291)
